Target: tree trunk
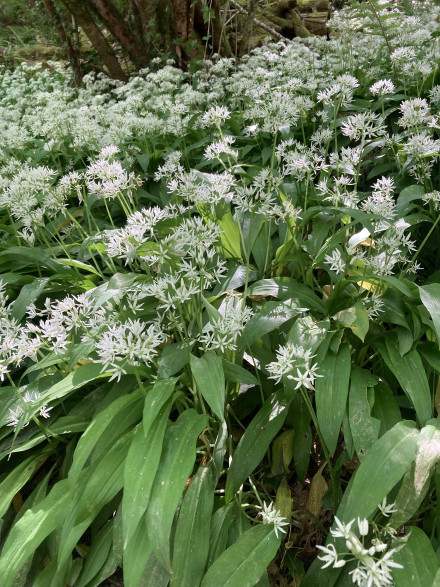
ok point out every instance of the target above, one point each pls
(114, 21)
(85, 20)
(72, 54)
(184, 30)
(247, 29)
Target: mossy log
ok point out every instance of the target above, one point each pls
(291, 27)
(312, 5)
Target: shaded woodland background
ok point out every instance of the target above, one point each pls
(123, 36)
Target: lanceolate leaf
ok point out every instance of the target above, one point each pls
(409, 372)
(386, 462)
(255, 441)
(140, 469)
(136, 555)
(364, 428)
(103, 421)
(97, 485)
(220, 524)
(173, 472)
(418, 559)
(210, 379)
(191, 541)
(245, 561)
(430, 296)
(331, 394)
(29, 532)
(270, 317)
(156, 398)
(15, 481)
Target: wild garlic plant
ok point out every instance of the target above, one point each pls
(219, 313)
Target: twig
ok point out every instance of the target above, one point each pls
(260, 24)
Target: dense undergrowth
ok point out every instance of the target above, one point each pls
(220, 316)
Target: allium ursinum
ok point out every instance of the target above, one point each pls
(303, 164)
(402, 56)
(381, 201)
(374, 305)
(278, 111)
(202, 188)
(433, 197)
(272, 516)
(171, 168)
(347, 160)
(338, 193)
(364, 125)
(382, 87)
(69, 184)
(294, 362)
(222, 333)
(30, 197)
(336, 262)
(340, 91)
(124, 242)
(221, 147)
(108, 179)
(132, 342)
(374, 564)
(215, 116)
(422, 151)
(415, 112)
(22, 413)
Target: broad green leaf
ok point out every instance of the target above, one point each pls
(430, 296)
(191, 540)
(364, 428)
(140, 468)
(136, 555)
(255, 441)
(230, 235)
(156, 398)
(386, 462)
(235, 278)
(271, 316)
(210, 379)
(245, 561)
(220, 524)
(219, 451)
(419, 561)
(408, 500)
(236, 374)
(15, 481)
(287, 288)
(29, 293)
(428, 455)
(97, 485)
(410, 374)
(407, 195)
(78, 265)
(173, 358)
(174, 469)
(30, 531)
(97, 555)
(282, 452)
(299, 417)
(385, 408)
(78, 378)
(154, 574)
(104, 420)
(355, 318)
(308, 333)
(331, 394)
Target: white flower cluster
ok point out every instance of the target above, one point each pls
(272, 516)
(295, 362)
(374, 563)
